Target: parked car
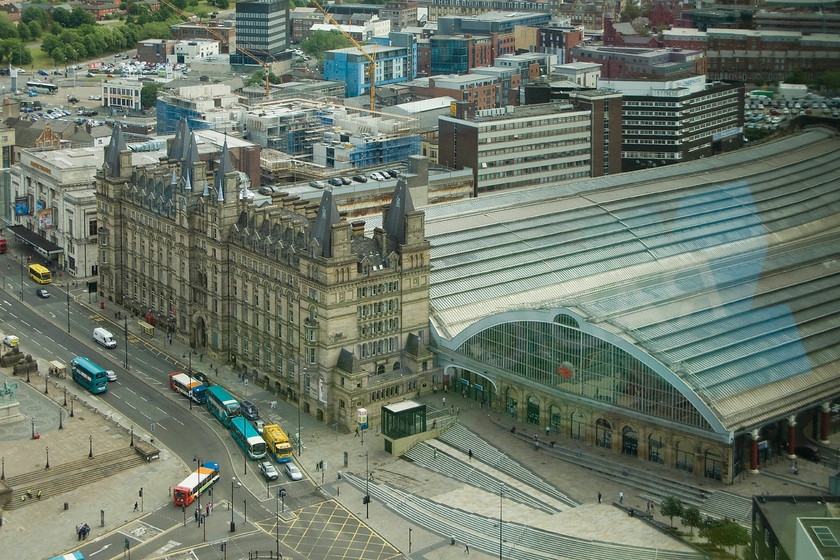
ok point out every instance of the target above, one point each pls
(201, 376)
(249, 411)
(42, 293)
(335, 181)
(317, 184)
(11, 340)
(293, 472)
(346, 180)
(43, 72)
(112, 375)
(268, 470)
(360, 178)
(392, 172)
(376, 176)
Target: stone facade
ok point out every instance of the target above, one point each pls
(317, 311)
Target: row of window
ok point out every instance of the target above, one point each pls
(377, 347)
(374, 289)
(377, 308)
(378, 327)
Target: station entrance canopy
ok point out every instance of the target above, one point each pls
(38, 242)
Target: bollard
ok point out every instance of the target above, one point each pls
(66, 505)
(452, 540)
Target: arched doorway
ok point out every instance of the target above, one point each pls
(577, 424)
(533, 410)
(685, 456)
(713, 467)
(603, 433)
(555, 420)
(629, 441)
(656, 451)
(200, 333)
(511, 404)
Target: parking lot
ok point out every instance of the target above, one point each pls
(761, 112)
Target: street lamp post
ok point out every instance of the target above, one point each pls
(65, 396)
(245, 509)
(300, 405)
(68, 307)
(21, 280)
(501, 495)
(132, 435)
(232, 522)
(33, 428)
(60, 419)
(48, 457)
(3, 467)
(280, 494)
(90, 453)
(189, 374)
(125, 332)
(367, 486)
(72, 402)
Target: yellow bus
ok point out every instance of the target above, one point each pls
(40, 274)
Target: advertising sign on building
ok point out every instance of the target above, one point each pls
(22, 206)
(362, 418)
(45, 219)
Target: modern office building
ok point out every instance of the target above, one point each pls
(515, 147)
(675, 121)
(124, 94)
(458, 54)
(322, 313)
(490, 22)
(262, 28)
(795, 526)
(441, 8)
(393, 65)
(211, 30)
(210, 106)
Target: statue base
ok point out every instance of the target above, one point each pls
(10, 413)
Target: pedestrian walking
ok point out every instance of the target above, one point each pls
(196, 515)
(79, 532)
(599, 497)
(170, 338)
(207, 509)
(547, 431)
(434, 423)
(443, 400)
(466, 549)
(136, 506)
(85, 532)
(435, 452)
(470, 454)
(621, 497)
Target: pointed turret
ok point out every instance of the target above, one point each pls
(225, 167)
(322, 228)
(180, 144)
(191, 159)
(401, 205)
(112, 153)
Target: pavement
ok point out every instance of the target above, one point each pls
(108, 507)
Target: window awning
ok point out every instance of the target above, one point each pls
(38, 242)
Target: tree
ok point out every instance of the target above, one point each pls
(321, 41)
(671, 507)
(726, 533)
(58, 56)
(23, 32)
(7, 28)
(35, 29)
(35, 13)
(830, 80)
(80, 17)
(691, 517)
(148, 94)
(222, 4)
(631, 11)
(797, 76)
(201, 13)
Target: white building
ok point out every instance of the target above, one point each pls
(122, 93)
(187, 52)
(60, 207)
(584, 74)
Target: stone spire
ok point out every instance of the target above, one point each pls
(191, 159)
(112, 152)
(401, 205)
(327, 216)
(225, 167)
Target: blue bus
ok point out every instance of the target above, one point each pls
(222, 405)
(247, 437)
(89, 375)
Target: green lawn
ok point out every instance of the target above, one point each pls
(40, 59)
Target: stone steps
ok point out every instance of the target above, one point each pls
(69, 476)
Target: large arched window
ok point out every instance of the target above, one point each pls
(656, 452)
(629, 441)
(577, 423)
(603, 433)
(685, 456)
(713, 467)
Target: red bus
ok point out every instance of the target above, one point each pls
(194, 485)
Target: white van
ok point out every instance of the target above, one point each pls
(104, 338)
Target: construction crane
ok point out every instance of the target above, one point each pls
(224, 41)
(371, 67)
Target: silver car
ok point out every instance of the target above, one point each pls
(268, 470)
(293, 472)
